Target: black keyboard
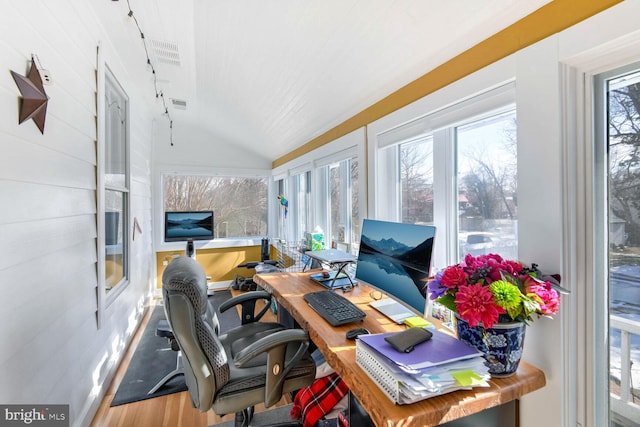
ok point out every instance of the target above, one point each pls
(334, 308)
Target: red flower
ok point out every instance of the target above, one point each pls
(475, 304)
(453, 277)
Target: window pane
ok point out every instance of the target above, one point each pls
(115, 138)
(624, 248)
(337, 186)
(115, 173)
(416, 180)
(239, 204)
(301, 204)
(487, 187)
(356, 224)
(115, 247)
(342, 203)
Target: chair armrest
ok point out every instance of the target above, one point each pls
(269, 342)
(277, 368)
(248, 301)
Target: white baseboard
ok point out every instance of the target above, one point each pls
(218, 286)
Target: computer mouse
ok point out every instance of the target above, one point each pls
(354, 333)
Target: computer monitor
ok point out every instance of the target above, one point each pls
(396, 259)
(182, 226)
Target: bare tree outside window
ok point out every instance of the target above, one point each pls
(487, 186)
(623, 197)
(416, 179)
(624, 159)
(239, 204)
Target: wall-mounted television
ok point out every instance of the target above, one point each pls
(185, 225)
(396, 259)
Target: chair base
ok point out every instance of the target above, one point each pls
(178, 371)
(244, 418)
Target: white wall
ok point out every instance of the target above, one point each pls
(51, 350)
(194, 147)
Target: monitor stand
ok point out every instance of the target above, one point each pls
(190, 251)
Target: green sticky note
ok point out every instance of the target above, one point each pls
(468, 379)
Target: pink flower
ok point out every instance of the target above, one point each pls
(475, 304)
(453, 277)
(543, 294)
(513, 267)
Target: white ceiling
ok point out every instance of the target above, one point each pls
(270, 75)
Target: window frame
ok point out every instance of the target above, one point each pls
(587, 323)
(161, 246)
(349, 146)
(441, 125)
(323, 171)
(600, 271)
(105, 77)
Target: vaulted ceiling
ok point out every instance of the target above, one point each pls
(270, 75)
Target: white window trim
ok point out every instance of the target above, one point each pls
(587, 320)
(164, 169)
(480, 105)
(104, 299)
(440, 124)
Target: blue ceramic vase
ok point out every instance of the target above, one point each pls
(501, 344)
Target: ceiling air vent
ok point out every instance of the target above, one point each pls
(166, 52)
(180, 104)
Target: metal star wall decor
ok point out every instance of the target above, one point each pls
(34, 99)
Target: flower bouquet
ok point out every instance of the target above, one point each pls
(493, 300)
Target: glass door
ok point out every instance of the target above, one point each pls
(620, 92)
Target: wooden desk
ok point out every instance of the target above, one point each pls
(340, 353)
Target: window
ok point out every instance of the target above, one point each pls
(116, 182)
(340, 204)
(300, 209)
(617, 252)
(487, 186)
(239, 204)
(455, 168)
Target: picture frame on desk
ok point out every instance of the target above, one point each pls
(343, 246)
(442, 314)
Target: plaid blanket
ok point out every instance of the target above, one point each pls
(315, 401)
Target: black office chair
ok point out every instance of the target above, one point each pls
(265, 265)
(253, 363)
(248, 304)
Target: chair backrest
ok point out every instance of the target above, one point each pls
(195, 328)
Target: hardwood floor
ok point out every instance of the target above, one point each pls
(173, 410)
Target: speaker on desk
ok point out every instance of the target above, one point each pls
(265, 254)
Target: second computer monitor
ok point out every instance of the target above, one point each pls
(396, 259)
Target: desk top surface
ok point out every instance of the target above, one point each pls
(340, 353)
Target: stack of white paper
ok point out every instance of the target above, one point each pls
(441, 365)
